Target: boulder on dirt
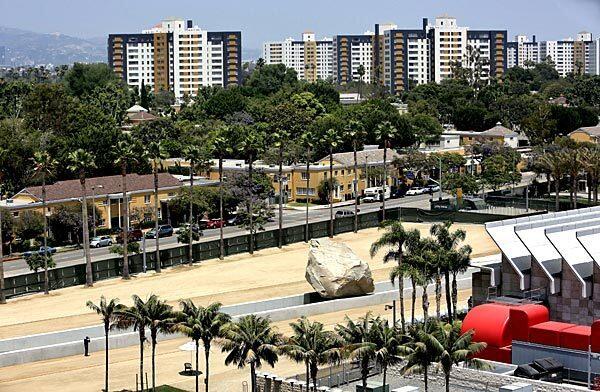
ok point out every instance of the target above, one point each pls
(334, 271)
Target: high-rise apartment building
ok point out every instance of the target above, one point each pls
(595, 57)
(178, 56)
(419, 56)
(522, 52)
(311, 59)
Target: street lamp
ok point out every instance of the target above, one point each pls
(393, 308)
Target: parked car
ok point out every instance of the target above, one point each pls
(100, 241)
(343, 213)
(233, 221)
(47, 250)
(203, 224)
(215, 224)
(433, 188)
(186, 227)
(417, 190)
(134, 235)
(163, 231)
(370, 199)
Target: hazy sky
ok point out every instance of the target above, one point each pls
(263, 20)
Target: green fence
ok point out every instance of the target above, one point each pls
(112, 267)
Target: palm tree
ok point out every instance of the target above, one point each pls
(459, 261)
(199, 323)
(81, 161)
(314, 346)
(447, 241)
(554, 164)
(160, 319)
(394, 240)
(136, 316)
(455, 347)
(127, 151)
(412, 273)
(385, 133)
(156, 151)
(280, 138)
(253, 141)
(356, 133)
(251, 341)
(361, 73)
(222, 147)
(590, 158)
(572, 162)
(422, 255)
(44, 164)
(108, 311)
(331, 140)
(360, 341)
(386, 346)
(193, 154)
(421, 351)
(308, 141)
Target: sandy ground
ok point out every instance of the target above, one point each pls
(78, 373)
(242, 278)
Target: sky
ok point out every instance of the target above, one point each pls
(269, 20)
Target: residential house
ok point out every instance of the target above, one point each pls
(586, 134)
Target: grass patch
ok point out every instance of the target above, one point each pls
(167, 388)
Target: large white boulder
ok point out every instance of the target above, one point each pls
(334, 270)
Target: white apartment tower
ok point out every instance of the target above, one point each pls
(311, 59)
(522, 52)
(178, 56)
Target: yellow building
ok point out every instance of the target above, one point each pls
(586, 134)
(104, 192)
(295, 177)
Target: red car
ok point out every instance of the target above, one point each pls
(215, 224)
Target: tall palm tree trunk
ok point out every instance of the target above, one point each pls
(46, 283)
(197, 366)
(556, 191)
(306, 229)
(250, 200)
(125, 215)
(364, 373)
(384, 180)
(142, 340)
(331, 193)
(355, 187)
(574, 185)
(253, 376)
(307, 374)
(454, 295)
(314, 372)
(414, 300)
(438, 293)
(280, 234)
(426, 378)
(401, 291)
(106, 331)
(206, 365)
(89, 277)
(221, 240)
(449, 307)
(156, 223)
(384, 377)
(447, 380)
(191, 218)
(154, 361)
(425, 303)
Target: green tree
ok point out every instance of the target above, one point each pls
(251, 341)
(552, 162)
(37, 261)
(420, 351)
(144, 99)
(355, 131)
(82, 78)
(307, 139)
(271, 78)
(386, 346)
(82, 161)
(225, 102)
(108, 311)
(222, 148)
(394, 240)
(160, 318)
(425, 127)
(455, 347)
(386, 134)
(195, 157)
(202, 324)
(313, 345)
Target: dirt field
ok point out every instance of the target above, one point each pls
(78, 373)
(241, 278)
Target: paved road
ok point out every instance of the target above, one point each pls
(291, 217)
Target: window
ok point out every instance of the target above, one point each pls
(146, 199)
(304, 176)
(15, 214)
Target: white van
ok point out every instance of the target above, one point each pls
(373, 194)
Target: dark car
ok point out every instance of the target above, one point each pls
(134, 235)
(233, 221)
(48, 250)
(163, 231)
(343, 213)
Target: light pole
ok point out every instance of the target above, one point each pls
(393, 307)
(440, 158)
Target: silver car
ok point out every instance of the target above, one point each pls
(100, 241)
